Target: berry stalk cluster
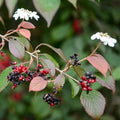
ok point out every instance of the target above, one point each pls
(86, 81)
(74, 57)
(22, 74)
(51, 99)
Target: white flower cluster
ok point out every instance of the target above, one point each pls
(105, 38)
(25, 14)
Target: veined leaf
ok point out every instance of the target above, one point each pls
(94, 103)
(37, 84)
(99, 63)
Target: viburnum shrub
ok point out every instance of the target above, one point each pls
(46, 72)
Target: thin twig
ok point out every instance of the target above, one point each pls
(67, 75)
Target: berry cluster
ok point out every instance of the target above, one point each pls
(87, 80)
(75, 62)
(51, 99)
(21, 73)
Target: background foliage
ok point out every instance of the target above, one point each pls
(90, 16)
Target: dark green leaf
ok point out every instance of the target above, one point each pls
(94, 103)
(47, 8)
(79, 70)
(57, 50)
(3, 78)
(75, 87)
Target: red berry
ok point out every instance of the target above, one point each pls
(92, 81)
(52, 104)
(84, 88)
(89, 88)
(14, 86)
(76, 26)
(20, 78)
(89, 80)
(83, 78)
(85, 85)
(39, 65)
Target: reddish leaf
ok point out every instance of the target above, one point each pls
(25, 33)
(59, 81)
(94, 103)
(107, 82)
(37, 84)
(26, 25)
(99, 63)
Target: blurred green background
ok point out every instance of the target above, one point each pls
(70, 30)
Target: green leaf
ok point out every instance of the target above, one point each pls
(75, 87)
(48, 65)
(3, 78)
(16, 48)
(79, 70)
(57, 50)
(94, 103)
(1, 2)
(47, 8)
(116, 73)
(73, 2)
(11, 6)
(59, 81)
(96, 86)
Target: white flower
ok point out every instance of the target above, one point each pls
(25, 14)
(105, 38)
